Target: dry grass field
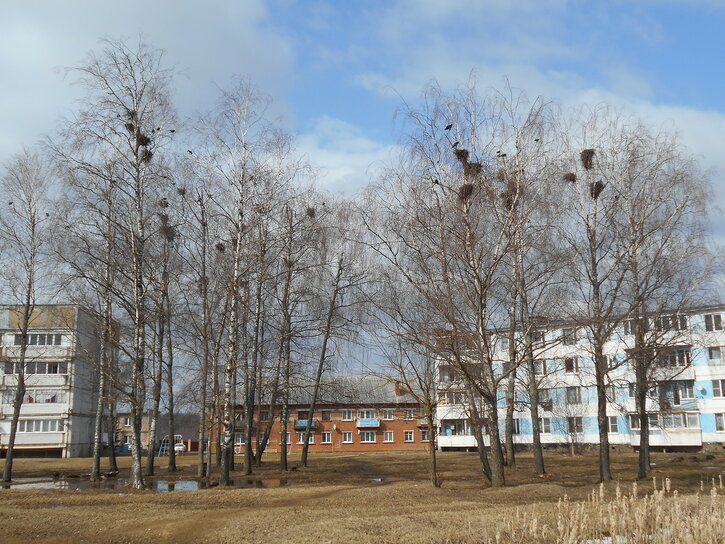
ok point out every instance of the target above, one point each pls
(381, 498)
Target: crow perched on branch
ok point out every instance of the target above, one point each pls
(449, 127)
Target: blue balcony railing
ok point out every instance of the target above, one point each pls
(369, 423)
(302, 423)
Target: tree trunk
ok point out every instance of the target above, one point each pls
(170, 369)
(432, 457)
(478, 435)
(534, 411)
(102, 370)
(20, 390)
(284, 419)
(111, 425)
(605, 473)
(326, 331)
(156, 395)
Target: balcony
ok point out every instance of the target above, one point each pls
(368, 423)
(302, 424)
(670, 437)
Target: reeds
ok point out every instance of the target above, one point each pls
(661, 517)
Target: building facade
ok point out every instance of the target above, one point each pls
(58, 410)
(686, 405)
(352, 414)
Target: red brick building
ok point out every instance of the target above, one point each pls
(352, 414)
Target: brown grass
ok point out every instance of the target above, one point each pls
(336, 500)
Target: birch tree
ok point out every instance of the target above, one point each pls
(24, 235)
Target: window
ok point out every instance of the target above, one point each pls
(366, 414)
(301, 438)
(408, 436)
(326, 415)
(367, 436)
(680, 421)
(263, 415)
(239, 439)
(287, 438)
(545, 398)
(654, 421)
(576, 424)
(713, 322)
(38, 367)
(571, 364)
(612, 424)
(632, 390)
(347, 437)
(676, 357)
(718, 388)
(303, 414)
(387, 436)
(448, 397)
(387, 413)
(671, 323)
(683, 390)
(45, 396)
(573, 395)
(720, 423)
(714, 353)
(516, 428)
(326, 437)
(446, 374)
(538, 337)
(611, 392)
(347, 415)
(40, 426)
(569, 336)
(408, 414)
(503, 343)
(127, 421)
(424, 435)
(39, 339)
(540, 367)
(545, 425)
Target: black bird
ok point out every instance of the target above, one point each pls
(189, 151)
(536, 139)
(47, 214)
(455, 144)
(172, 130)
(10, 203)
(436, 182)
(158, 128)
(448, 127)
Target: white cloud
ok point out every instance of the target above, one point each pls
(346, 158)
(206, 45)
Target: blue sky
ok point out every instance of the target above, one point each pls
(338, 69)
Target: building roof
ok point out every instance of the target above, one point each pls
(358, 390)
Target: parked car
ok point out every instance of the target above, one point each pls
(179, 447)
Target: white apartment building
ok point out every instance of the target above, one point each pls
(686, 408)
(58, 410)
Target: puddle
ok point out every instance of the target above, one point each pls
(389, 479)
(162, 486)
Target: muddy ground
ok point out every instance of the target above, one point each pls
(365, 498)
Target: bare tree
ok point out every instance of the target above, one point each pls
(24, 235)
(117, 138)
